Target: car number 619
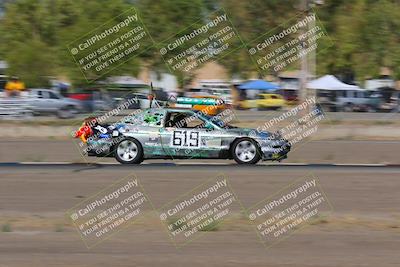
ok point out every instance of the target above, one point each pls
(186, 139)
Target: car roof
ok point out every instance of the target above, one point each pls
(42, 89)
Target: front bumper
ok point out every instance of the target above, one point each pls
(274, 149)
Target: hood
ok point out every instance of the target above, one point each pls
(250, 132)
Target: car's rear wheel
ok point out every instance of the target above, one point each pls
(129, 151)
(245, 151)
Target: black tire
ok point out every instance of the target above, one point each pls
(131, 145)
(371, 109)
(67, 112)
(250, 153)
(349, 107)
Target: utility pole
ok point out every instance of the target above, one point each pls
(308, 60)
(312, 57)
(304, 61)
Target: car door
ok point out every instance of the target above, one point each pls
(190, 136)
(54, 101)
(41, 101)
(268, 102)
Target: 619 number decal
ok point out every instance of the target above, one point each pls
(186, 139)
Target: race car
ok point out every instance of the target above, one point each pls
(176, 133)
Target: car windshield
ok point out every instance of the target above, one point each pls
(216, 120)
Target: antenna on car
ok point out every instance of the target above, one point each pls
(151, 96)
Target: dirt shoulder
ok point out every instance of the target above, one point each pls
(362, 231)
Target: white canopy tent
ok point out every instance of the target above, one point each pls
(330, 82)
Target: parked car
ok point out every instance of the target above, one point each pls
(356, 100)
(388, 98)
(47, 101)
(142, 101)
(264, 101)
(93, 101)
(347, 100)
(270, 101)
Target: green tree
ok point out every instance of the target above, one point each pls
(34, 36)
(164, 20)
(365, 36)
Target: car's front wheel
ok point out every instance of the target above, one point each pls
(67, 112)
(349, 107)
(245, 151)
(129, 151)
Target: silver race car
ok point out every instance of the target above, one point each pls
(175, 133)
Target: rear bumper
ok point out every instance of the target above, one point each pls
(99, 148)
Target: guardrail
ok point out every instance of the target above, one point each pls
(13, 107)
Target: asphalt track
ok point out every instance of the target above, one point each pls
(363, 229)
(322, 152)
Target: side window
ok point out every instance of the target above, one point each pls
(274, 97)
(185, 121)
(39, 94)
(53, 95)
(45, 95)
(181, 120)
(263, 97)
(350, 94)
